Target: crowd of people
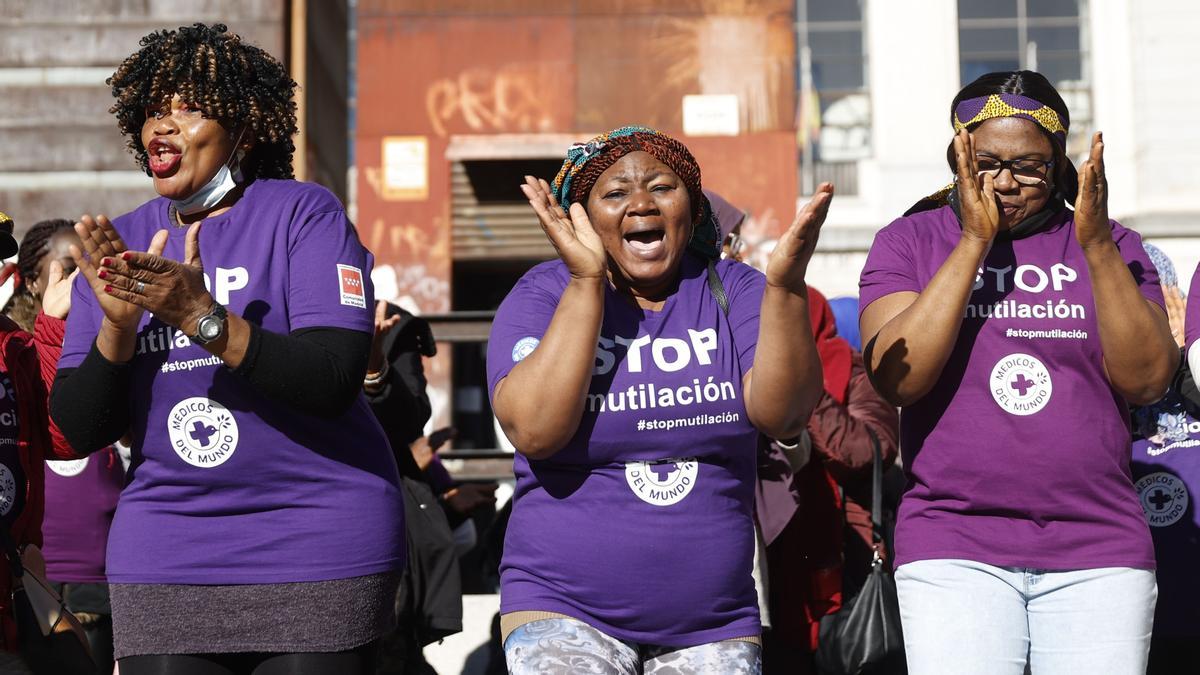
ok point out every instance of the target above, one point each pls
(215, 457)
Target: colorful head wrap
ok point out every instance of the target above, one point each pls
(973, 111)
(586, 161)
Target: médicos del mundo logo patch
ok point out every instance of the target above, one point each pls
(203, 432)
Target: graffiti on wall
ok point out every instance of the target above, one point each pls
(515, 98)
(412, 287)
(417, 284)
(418, 288)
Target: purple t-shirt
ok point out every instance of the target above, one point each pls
(1166, 476)
(1019, 456)
(642, 524)
(226, 486)
(81, 497)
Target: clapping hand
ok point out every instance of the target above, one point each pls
(56, 300)
(788, 263)
(1092, 226)
(100, 242)
(572, 236)
(1176, 312)
(172, 290)
(980, 213)
(383, 325)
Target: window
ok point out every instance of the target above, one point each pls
(831, 77)
(1042, 35)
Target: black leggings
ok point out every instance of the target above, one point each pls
(360, 661)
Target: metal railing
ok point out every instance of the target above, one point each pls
(460, 327)
(479, 464)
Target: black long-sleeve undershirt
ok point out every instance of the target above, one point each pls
(1184, 383)
(314, 371)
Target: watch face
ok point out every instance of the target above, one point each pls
(209, 328)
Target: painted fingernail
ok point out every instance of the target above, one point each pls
(107, 262)
(107, 288)
(126, 256)
(103, 274)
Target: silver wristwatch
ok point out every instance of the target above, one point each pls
(211, 326)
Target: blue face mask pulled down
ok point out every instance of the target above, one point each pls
(224, 181)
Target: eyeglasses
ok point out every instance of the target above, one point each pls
(1025, 171)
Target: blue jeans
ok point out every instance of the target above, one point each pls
(969, 618)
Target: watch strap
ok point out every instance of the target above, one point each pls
(217, 311)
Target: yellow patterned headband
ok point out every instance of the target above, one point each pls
(975, 110)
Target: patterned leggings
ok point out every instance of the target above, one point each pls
(553, 646)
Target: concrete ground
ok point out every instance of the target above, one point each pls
(465, 653)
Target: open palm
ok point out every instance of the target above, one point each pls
(788, 263)
(99, 241)
(572, 235)
(1092, 226)
(980, 213)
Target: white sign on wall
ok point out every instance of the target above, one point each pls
(405, 168)
(710, 115)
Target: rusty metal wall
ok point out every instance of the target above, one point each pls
(428, 70)
(430, 77)
(432, 73)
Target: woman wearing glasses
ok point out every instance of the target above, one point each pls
(1012, 331)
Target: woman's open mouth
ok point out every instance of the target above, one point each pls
(646, 244)
(164, 158)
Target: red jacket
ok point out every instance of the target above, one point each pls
(805, 534)
(30, 363)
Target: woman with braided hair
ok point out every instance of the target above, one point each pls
(80, 494)
(225, 326)
(43, 241)
(1012, 332)
(27, 437)
(633, 376)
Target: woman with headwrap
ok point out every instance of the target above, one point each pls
(633, 376)
(1012, 331)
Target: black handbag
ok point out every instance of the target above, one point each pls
(864, 637)
(51, 640)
